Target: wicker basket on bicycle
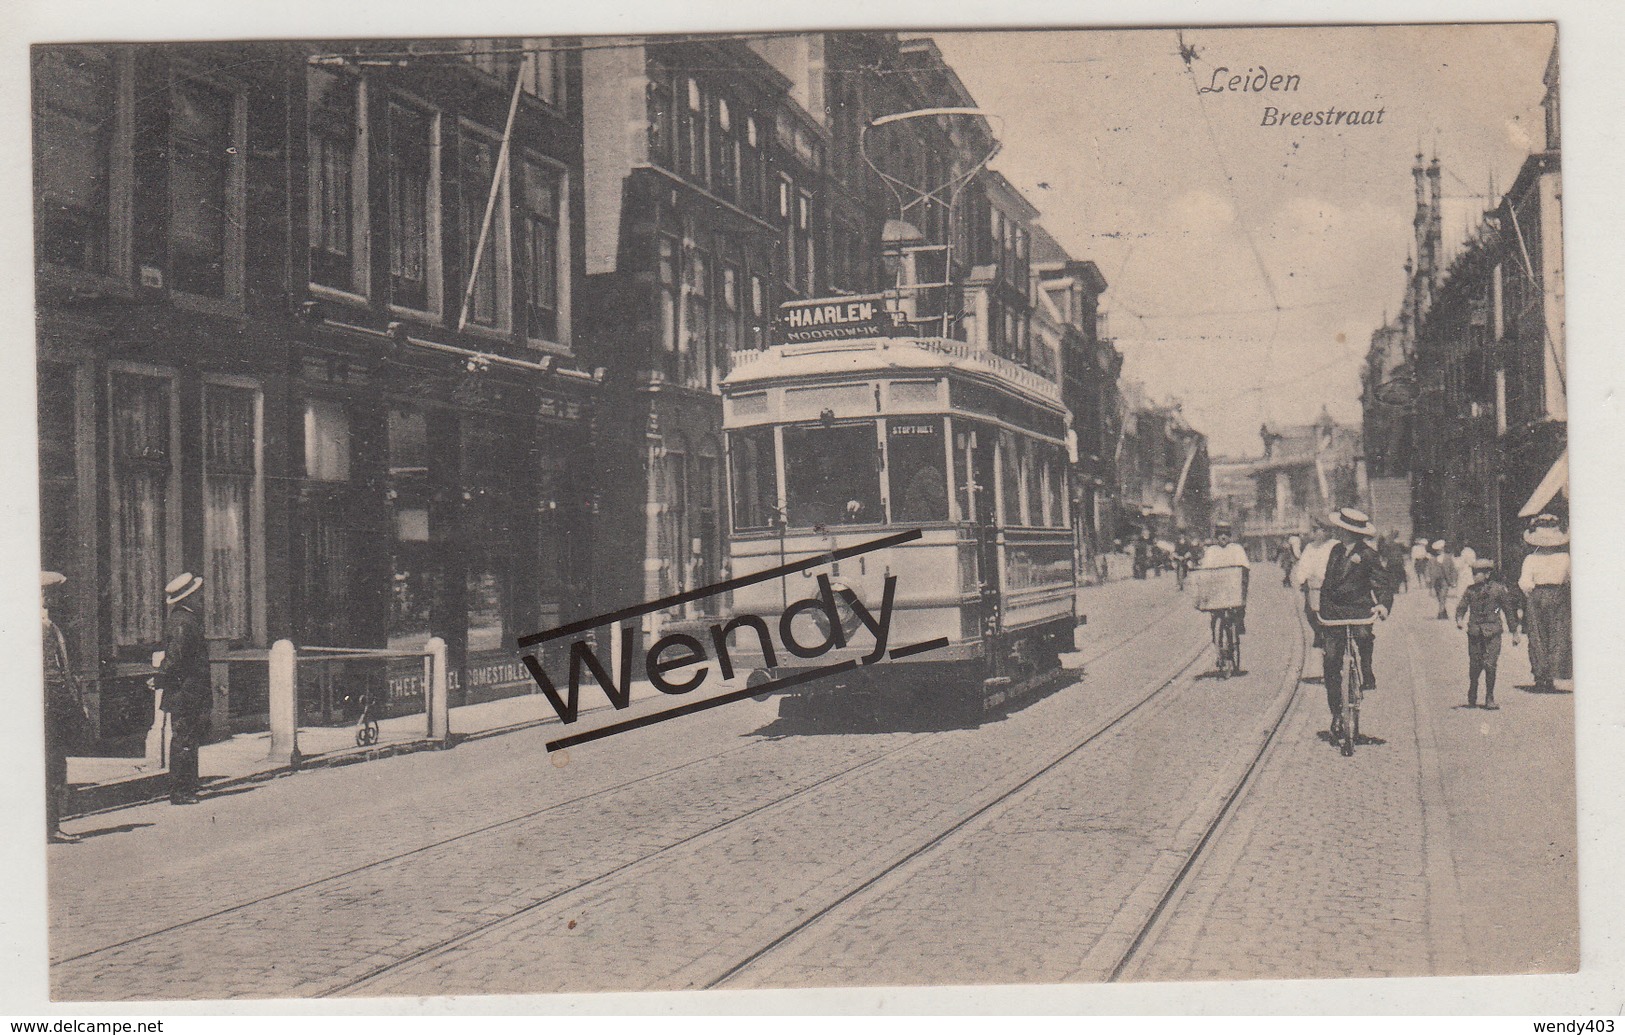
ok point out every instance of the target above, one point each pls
(1219, 589)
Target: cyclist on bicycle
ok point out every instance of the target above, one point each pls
(1356, 590)
(1227, 554)
(1184, 553)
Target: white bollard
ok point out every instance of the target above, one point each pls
(284, 702)
(438, 703)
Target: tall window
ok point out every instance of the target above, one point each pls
(477, 166)
(675, 528)
(141, 468)
(662, 115)
(327, 441)
(697, 353)
(758, 313)
(666, 272)
(805, 253)
(787, 216)
(202, 154)
(411, 204)
(337, 181)
(543, 73)
(728, 311)
(539, 245)
(229, 469)
(74, 97)
(752, 188)
(691, 128)
(725, 160)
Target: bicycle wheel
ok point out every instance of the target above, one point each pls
(1351, 687)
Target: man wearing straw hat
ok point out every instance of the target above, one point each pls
(1356, 589)
(67, 723)
(1544, 580)
(184, 679)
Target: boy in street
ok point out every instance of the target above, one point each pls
(1482, 606)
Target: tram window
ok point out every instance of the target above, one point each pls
(914, 465)
(755, 480)
(831, 476)
(1010, 509)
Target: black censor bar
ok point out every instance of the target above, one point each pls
(679, 650)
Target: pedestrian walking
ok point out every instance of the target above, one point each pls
(1483, 606)
(67, 723)
(1544, 581)
(1287, 556)
(1419, 560)
(1441, 575)
(1142, 553)
(1309, 574)
(1393, 552)
(184, 680)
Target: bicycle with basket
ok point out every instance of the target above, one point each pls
(1222, 593)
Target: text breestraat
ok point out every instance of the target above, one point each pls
(1273, 116)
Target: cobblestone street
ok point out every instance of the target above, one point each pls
(735, 849)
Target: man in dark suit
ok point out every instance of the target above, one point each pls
(184, 679)
(1357, 592)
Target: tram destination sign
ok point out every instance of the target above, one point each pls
(833, 319)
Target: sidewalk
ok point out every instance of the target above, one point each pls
(98, 784)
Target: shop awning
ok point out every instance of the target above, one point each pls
(1556, 481)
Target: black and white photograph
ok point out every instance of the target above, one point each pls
(802, 509)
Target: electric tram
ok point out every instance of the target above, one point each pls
(838, 442)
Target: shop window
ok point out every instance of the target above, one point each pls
(414, 579)
(336, 192)
(755, 478)
(141, 470)
(327, 441)
(205, 156)
(75, 103)
(539, 245)
(915, 461)
(413, 209)
(831, 476)
(675, 530)
(488, 304)
(230, 472)
(486, 627)
(691, 134)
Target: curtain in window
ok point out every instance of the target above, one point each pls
(229, 468)
(409, 161)
(478, 168)
(141, 469)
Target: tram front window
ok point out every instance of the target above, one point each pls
(831, 476)
(755, 482)
(914, 461)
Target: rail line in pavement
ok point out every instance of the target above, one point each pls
(455, 942)
(1158, 618)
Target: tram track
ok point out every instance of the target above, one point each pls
(496, 924)
(1156, 620)
(1144, 931)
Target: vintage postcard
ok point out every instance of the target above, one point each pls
(789, 509)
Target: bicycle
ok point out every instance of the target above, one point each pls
(1227, 637)
(1346, 728)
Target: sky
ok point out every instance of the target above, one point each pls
(1247, 265)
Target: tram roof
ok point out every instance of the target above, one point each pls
(826, 360)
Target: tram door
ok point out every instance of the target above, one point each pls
(987, 542)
